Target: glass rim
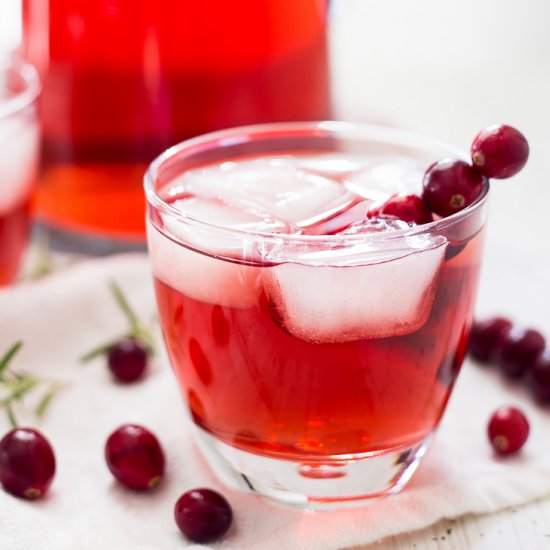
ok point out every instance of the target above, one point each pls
(29, 75)
(243, 134)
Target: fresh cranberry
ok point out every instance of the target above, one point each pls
(486, 337)
(203, 515)
(27, 463)
(135, 457)
(451, 185)
(539, 377)
(518, 350)
(499, 151)
(508, 430)
(127, 360)
(409, 208)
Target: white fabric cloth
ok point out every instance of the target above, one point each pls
(66, 314)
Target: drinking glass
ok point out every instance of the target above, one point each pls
(125, 79)
(19, 144)
(315, 348)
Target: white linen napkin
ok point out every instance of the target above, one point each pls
(68, 313)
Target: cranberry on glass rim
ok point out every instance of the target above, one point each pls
(408, 208)
(450, 186)
(499, 151)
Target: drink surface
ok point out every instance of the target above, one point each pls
(299, 351)
(125, 80)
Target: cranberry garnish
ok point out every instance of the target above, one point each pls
(539, 377)
(135, 457)
(27, 463)
(203, 515)
(451, 185)
(409, 208)
(486, 337)
(518, 350)
(499, 151)
(508, 430)
(128, 359)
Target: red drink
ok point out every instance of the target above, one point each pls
(254, 385)
(300, 330)
(18, 162)
(14, 232)
(124, 80)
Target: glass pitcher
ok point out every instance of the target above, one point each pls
(124, 79)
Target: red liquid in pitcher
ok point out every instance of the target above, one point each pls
(293, 360)
(14, 232)
(18, 173)
(124, 80)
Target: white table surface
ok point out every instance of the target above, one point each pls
(449, 69)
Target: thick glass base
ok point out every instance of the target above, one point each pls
(331, 482)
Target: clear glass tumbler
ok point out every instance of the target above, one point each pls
(19, 137)
(316, 348)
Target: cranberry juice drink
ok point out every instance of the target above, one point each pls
(19, 88)
(316, 346)
(124, 80)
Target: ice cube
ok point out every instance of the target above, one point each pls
(273, 184)
(333, 165)
(374, 225)
(386, 176)
(208, 265)
(212, 235)
(201, 276)
(245, 217)
(18, 160)
(354, 221)
(340, 221)
(392, 297)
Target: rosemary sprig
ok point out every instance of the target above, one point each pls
(6, 360)
(15, 386)
(137, 330)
